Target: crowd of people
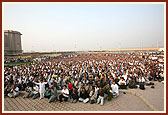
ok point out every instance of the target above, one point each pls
(87, 78)
(16, 60)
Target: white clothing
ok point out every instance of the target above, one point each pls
(125, 77)
(100, 100)
(141, 80)
(41, 86)
(96, 89)
(84, 100)
(50, 81)
(36, 88)
(114, 89)
(161, 75)
(122, 82)
(66, 91)
(17, 89)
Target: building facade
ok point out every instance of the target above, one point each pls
(12, 42)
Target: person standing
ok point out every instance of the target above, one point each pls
(42, 88)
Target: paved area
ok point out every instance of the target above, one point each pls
(125, 102)
(154, 96)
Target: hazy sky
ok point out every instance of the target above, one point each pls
(49, 27)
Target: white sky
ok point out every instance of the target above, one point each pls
(58, 27)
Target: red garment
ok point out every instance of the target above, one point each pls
(152, 74)
(70, 86)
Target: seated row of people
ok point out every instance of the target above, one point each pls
(95, 95)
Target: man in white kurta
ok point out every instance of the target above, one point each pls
(42, 88)
(114, 90)
(64, 94)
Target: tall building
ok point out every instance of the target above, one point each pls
(12, 42)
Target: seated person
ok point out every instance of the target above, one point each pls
(100, 96)
(88, 88)
(7, 89)
(152, 73)
(54, 94)
(84, 96)
(141, 82)
(74, 95)
(35, 92)
(93, 96)
(96, 88)
(141, 79)
(116, 79)
(28, 91)
(80, 88)
(114, 91)
(122, 83)
(107, 90)
(70, 88)
(100, 84)
(162, 76)
(157, 77)
(64, 94)
(132, 83)
(14, 92)
(47, 93)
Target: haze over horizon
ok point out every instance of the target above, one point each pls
(66, 27)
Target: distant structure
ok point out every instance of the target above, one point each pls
(129, 50)
(12, 42)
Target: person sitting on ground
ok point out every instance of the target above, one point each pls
(162, 76)
(74, 95)
(99, 84)
(35, 92)
(47, 93)
(116, 79)
(28, 91)
(7, 89)
(54, 94)
(157, 77)
(14, 92)
(84, 96)
(115, 91)
(152, 73)
(132, 83)
(88, 88)
(141, 82)
(70, 88)
(141, 79)
(93, 96)
(107, 92)
(122, 83)
(80, 88)
(64, 94)
(100, 96)
(96, 88)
